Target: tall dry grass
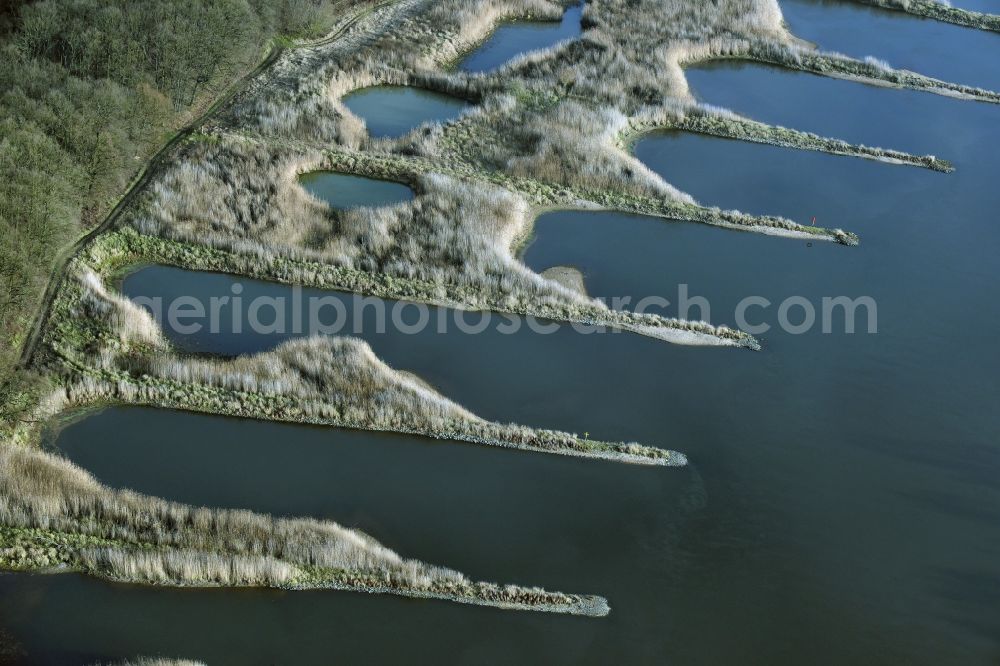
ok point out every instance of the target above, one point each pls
(551, 118)
(56, 515)
(324, 380)
(165, 542)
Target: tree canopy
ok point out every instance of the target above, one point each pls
(88, 89)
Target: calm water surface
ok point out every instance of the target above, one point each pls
(342, 191)
(509, 41)
(842, 505)
(392, 111)
(989, 6)
(934, 48)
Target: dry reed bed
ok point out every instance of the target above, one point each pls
(317, 274)
(675, 34)
(57, 517)
(115, 353)
(240, 195)
(548, 127)
(453, 244)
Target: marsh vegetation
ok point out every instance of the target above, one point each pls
(487, 152)
(89, 93)
(55, 515)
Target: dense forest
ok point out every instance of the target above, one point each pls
(88, 90)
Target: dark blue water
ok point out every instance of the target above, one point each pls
(934, 48)
(392, 111)
(911, 528)
(510, 41)
(362, 479)
(842, 504)
(342, 191)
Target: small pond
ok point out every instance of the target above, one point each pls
(392, 111)
(511, 40)
(343, 191)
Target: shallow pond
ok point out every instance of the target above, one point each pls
(987, 6)
(511, 40)
(342, 191)
(392, 111)
(841, 505)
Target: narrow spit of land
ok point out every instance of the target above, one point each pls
(941, 10)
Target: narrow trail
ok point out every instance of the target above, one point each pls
(159, 160)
